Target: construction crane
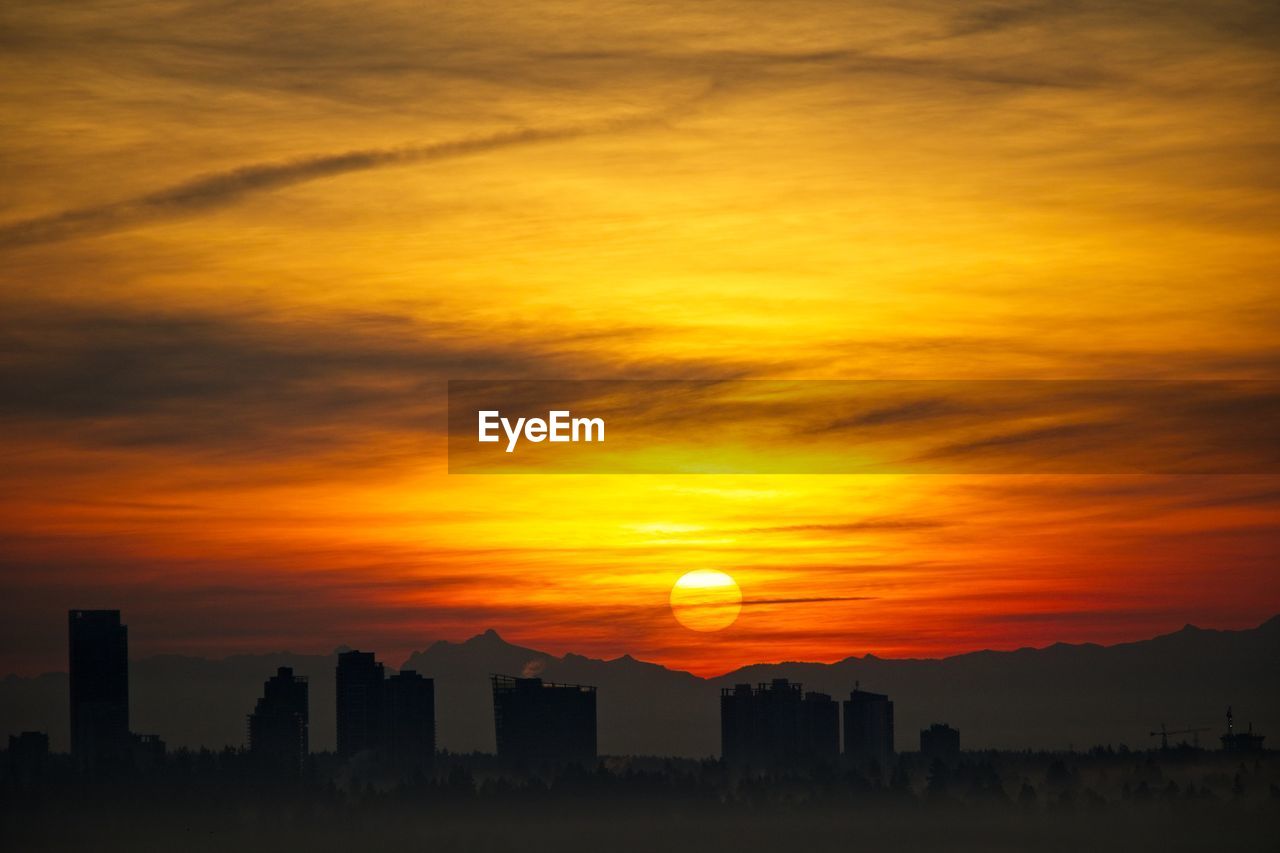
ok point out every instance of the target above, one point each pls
(1164, 735)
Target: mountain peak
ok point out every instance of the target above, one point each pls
(489, 638)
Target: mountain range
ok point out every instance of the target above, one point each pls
(1056, 697)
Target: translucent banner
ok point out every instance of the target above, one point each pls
(863, 427)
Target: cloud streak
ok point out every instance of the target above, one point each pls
(971, 427)
(253, 384)
(762, 602)
(868, 524)
(220, 189)
(755, 602)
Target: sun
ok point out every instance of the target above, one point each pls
(706, 600)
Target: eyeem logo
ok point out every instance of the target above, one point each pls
(872, 426)
(559, 426)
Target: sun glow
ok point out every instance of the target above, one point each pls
(706, 600)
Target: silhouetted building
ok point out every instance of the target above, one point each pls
(1234, 741)
(395, 716)
(98, 649)
(278, 726)
(540, 722)
(28, 756)
(777, 724)
(819, 728)
(940, 742)
(761, 726)
(738, 724)
(146, 752)
(868, 728)
(409, 705)
(359, 694)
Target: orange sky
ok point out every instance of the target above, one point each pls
(242, 249)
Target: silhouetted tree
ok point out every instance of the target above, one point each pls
(1027, 796)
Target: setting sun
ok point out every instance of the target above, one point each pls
(706, 600)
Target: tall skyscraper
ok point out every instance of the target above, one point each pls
(409, 721)
(940, 742)
(819, 729)
(359, 695)
(868, 729)
(540, 722)
(98, 647)
(738, 724)
(279, 724)
(396, 716)
(777, 724)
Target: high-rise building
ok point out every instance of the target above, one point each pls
(868, 729)
(146, 752)
(940, 742)
(359, 695)
(777, 724)
(819, 729)
(98, 647)
(396, 716)
(738, 724)
(540, 722)
(278, 726)
(409, 722)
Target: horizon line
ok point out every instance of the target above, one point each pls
(627, 655)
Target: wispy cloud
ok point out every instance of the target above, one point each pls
(274, 385)
(208, 192)
(754, 602)
(866, 524)
(762, 602)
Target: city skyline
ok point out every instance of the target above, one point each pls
(392, 718)
(395, 713)
(639, 425)
(548, 780)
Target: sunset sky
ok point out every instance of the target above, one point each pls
(244, 246)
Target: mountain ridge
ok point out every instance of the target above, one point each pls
(1052, 696)
(1270, 623)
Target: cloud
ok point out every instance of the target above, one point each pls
(1266, 497)
(223, 188)
(1059, 439)
(890, 524)
(913, 426)
(149, 376)
(752, 602)
(760, 602)
(996, 17)
(913, 410)
(257, 384)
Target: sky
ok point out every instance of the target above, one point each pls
(244, 247)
